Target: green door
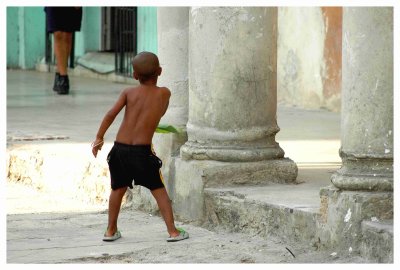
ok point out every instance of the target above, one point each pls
(147, 29)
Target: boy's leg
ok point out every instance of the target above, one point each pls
(114, 206)
(164, 204)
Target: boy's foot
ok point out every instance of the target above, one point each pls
(182, 236)
(113, 237)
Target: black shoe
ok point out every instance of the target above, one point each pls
(56, 79)
(62, 87)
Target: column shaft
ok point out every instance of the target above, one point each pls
(232, 91)
(173, 42)
(367, 100)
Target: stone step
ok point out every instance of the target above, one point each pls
(377, 240)
(292, 213)
(64, 169)
(288, 211)
(68, 170)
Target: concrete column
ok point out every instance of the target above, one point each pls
(232, 112)
(232, 106)
(363, 187)
(367, 106)
(173, 31)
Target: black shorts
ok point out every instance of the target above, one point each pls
(66, 19)
(134, 163)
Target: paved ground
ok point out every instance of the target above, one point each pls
(44, 228)
(33, 109)
(36, 233)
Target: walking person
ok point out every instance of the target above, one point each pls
(62, 22)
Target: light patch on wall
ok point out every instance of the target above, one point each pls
(301, 36)
(348, 216)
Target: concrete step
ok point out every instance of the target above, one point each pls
(287, 211)
(61, 168)
(290, 212)
(377, 240)
(67, 170)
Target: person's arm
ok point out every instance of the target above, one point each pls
(107, 121)
(167, 95)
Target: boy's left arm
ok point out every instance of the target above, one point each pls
(167, 94)
(107, 121)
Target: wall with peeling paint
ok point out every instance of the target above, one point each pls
(309, 57)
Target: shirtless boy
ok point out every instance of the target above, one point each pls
(132, 157)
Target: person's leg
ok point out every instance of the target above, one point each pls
(164, 204)
(114, 206)
(68, 41)
(62, 49)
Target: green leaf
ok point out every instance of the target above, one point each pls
(165, 128)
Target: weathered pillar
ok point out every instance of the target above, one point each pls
(232, 104)
(173, 42)
(232, 113)
(367, 107)
(364, 184)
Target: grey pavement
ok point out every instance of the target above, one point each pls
(46, 228)
(33, 109)
(40, 234)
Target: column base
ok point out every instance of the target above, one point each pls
(191, 177)
(342, 212)
(372, 182)
(229, 153)
(364, 173)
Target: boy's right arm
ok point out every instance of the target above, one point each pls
(107, 121)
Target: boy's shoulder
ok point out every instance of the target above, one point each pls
(165, 89)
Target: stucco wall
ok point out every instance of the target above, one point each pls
(88, 39)
(91, 27)
(12, 37)
(25, 36)
(147, 29)
(309, 57)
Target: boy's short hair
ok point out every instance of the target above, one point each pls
(146, 65)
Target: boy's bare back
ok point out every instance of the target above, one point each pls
(145, 105)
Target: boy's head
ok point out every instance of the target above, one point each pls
(146, 66)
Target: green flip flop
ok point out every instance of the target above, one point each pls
(182, 236)
(113, 237)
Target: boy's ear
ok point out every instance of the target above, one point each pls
(135, 76)
(159, 71)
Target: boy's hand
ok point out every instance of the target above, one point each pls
(96, 146)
